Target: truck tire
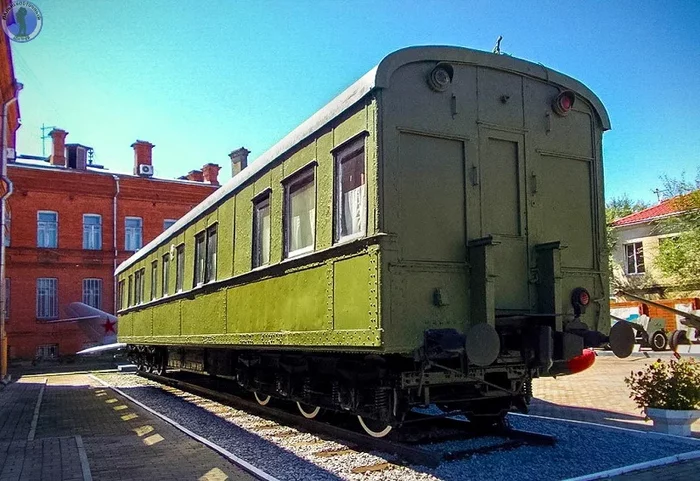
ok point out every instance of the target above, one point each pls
(658, 341)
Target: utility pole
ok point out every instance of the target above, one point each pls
(44, 136)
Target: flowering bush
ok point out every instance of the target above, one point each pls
(674, 385)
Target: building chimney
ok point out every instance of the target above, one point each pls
(210, 173)
(143, 155)
(239, 160)
(58, 157)
(195, 175)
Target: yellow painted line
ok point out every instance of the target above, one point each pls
(153, 439)
(214, 475)
(100, 394)
(112, 401)
(129, 417)
(121, 407)
(143, 430)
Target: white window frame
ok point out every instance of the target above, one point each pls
(90, 231)
(41, 229)
(168, 221)
(636, 260)
(92, 292)
(130, 234)
(48, 309)
(293, 180)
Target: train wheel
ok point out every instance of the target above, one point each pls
(658, 341)
(160, 368)
(262, 399)
(309, 412)
(376, 429)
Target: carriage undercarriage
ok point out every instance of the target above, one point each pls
(380, 390)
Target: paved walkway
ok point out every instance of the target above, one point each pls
(69, 428)
(600, 395)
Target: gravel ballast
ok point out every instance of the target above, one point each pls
(288, 454)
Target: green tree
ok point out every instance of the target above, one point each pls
(679, 255)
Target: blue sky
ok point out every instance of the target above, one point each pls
(200, 79)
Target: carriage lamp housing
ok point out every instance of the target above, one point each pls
(563, 103)
(440, 77)
(580, 299)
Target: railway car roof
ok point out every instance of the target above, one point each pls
(377, 78)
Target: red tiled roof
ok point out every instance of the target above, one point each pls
(662, 209)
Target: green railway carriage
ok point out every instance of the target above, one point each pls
(433, 234)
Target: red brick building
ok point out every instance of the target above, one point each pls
(70, 223)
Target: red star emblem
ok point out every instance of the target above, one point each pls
(109, 326)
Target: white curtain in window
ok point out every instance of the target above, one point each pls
(303, 218)
(265, 244)
(354, 211)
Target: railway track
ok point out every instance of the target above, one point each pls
(418, 442)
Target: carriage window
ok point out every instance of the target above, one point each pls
(261, 232)
(179, 268)
(154, 280)
(130, 291)
(199, 260)
(351, 191)
(166, 275)
(210, 273)
(300, 214)
(139, 285)
(120, 295)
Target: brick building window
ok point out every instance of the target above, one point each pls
(180, 268)
(133, 232)
(92, 292)
(47, 298)
(47, 229)
(47, 351)
(166, 275)
(167, 223)
(7, 299)
(154, 280)
(635, 258)
(261, 232)
(92, 231)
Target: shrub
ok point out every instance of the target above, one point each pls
(674, 385)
